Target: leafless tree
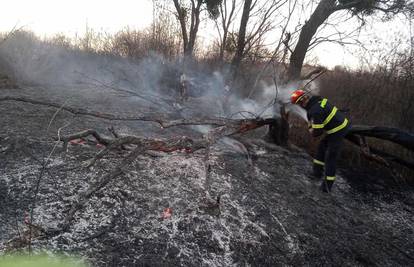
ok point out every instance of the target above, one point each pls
(323, 10)
(247, 7)
(261, 14)
(283, 40)
(228, 12)
(189, 35)
(192, 11)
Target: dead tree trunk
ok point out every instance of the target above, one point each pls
(357, 136)
(394, 135)
(278, 132)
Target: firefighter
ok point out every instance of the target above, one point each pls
(183, 87)
(324, 118)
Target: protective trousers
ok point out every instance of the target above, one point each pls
(327, 155)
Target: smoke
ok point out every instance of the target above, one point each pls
(265, 105)
(81, 75)
(298, 111)
(284, 93)
(150, 84)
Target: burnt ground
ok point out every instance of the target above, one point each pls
(271, 213)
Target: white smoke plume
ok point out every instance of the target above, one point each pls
(152, 83)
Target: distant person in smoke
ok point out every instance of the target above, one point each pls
(226, 97)
(183, 87)
(324, 118)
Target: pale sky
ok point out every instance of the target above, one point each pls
(48, 17)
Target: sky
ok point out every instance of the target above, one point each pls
(49, 17)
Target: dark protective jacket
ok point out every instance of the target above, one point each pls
(325, 117)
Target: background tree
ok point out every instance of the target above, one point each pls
(223, 22)
(191, 11)
(261, 14)
(326, 8)
(247, 7)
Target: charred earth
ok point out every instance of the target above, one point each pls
(269, 214)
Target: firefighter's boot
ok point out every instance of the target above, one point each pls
(326, 185)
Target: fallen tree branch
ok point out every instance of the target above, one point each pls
(81, 111)
(101, 139)
(163, 120)
(394, 135)
(142, 145)
(167, 145)
(224, 127)
(377, 155)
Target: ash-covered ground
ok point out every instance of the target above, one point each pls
(270, 214)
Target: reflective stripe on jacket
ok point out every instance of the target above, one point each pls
(325, 116)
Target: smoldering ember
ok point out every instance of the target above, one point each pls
(140, 152)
